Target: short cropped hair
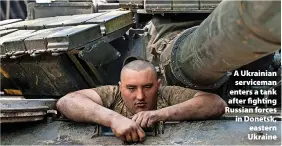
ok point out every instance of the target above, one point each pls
(138, 65)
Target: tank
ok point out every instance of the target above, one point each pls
(64, 46)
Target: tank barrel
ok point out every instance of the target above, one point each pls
(236, 33)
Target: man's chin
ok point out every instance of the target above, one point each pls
(141, 110)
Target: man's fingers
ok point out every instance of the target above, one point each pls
(139, 120)
(141, 134)
(144, 122)
(122, 138)
(150, 123)
(128, 137)
(134, 136)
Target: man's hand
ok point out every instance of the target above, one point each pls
(147, 118)
(127, 130)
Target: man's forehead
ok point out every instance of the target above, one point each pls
(147, 70)
(129, 73)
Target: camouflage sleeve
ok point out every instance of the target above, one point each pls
(176, 94)
(107, 94)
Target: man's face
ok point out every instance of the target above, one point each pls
(139, 89)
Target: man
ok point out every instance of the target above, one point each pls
(138, 102)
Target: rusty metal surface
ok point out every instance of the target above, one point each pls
(26, 104)
(18, 76)
(15, 45)
(177, 6)
(38, 77)
(38, 44)
(46, 75)
(195, 5)
(82, 70)
(98, 57)
(21, 113)
(96, 73)
(55, 40)
(154, 5)
(132, 2)
(170, 6)
(21, 119)
(41, 10)
(182, 5)
(62, 73)
(22, 110)
(37, 61)
(101, 130)
(73, 37)
(11, 36)
(210, 132)
(113, 21)
(107, 38)
(68, 38)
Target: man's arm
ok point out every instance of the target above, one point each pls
(202, 106)
(86, 106)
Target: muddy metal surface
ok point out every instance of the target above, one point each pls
(196, 133)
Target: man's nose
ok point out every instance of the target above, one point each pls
(140, 94)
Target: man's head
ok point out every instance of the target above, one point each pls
(139, 85)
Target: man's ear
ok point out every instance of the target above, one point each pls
(159, 83)
(119, 84)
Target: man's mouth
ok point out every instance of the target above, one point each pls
(140, 104)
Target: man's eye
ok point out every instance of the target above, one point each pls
(130, 88)
(148, 86)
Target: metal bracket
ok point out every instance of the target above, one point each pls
(17, 109)
(99, 54)
(101, 130)
(176, 68)
(132, 32)
(157, 129)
